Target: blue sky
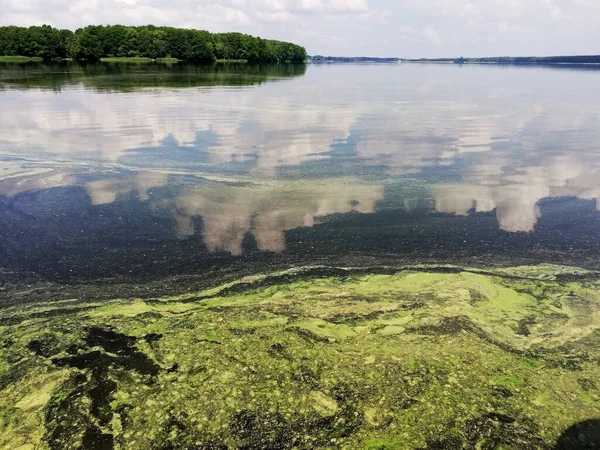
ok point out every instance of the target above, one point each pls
(404, 28)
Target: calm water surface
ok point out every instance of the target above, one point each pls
(143, 171)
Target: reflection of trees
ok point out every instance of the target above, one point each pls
(229, 213)
(127, 77)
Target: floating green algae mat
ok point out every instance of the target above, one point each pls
(424, 358)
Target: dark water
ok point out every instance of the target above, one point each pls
(148, 171)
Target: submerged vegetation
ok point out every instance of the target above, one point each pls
(93, 43)
(422, 358)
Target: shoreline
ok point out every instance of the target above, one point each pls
(22, 288)
(502, 63)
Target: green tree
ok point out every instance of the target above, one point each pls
(96, 41)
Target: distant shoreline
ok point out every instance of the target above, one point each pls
(539, 64)
(318, 59)
(133, 60)
(578, 60)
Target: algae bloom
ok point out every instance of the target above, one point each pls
(413, 358)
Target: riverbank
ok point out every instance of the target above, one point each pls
(140, 60)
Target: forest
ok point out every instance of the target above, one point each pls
(94, 42)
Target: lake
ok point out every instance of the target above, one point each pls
(163, 182)
(145, 172)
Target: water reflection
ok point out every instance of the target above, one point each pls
(515, 192)
(230, 212)
(417, 162)
(129, 77)
(105, 191)
(170, 129)
(402, 127)
(34, 180)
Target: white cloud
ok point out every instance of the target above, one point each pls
(432, 35)
(553, 9)
(223, 14)
(272, 6)
(407, 28)
(505, 27)
(278, 16)
(332, 6)
(85, 4)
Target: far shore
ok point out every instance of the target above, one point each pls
(136, 60)
(573, 60)
(562, 61)
(139, 60)
(488, 63)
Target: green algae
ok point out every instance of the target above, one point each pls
(412, 359)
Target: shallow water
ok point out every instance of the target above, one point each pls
(152, 170)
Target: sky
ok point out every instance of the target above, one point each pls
(401, 28)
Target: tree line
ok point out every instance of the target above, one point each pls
(350, 59)
(575, 59)
(99, 41)
(516, 60)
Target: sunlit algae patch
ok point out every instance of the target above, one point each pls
(421, 358)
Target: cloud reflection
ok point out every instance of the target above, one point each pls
(35, 180)
(106, 191)
(499, 140)
(229, 213)
(514, 192)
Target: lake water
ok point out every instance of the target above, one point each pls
(147, 171)
(299, 257)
